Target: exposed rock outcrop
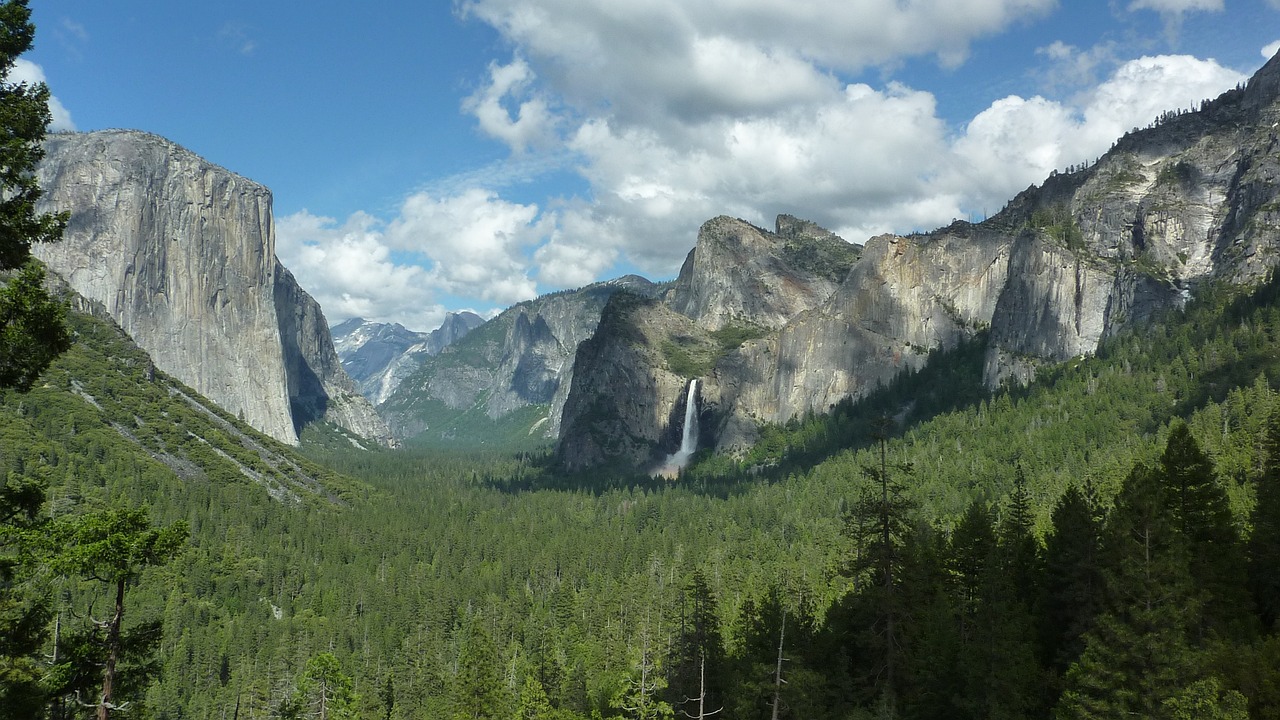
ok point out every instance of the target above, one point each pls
(523, 357)
(181, 254)
(739, 273)
(1195, 198)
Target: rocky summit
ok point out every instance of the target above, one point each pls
(181, 254)
(777, 325)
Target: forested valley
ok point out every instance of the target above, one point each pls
(1103, 542)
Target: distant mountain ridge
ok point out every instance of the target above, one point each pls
(378, 356)
(509, 376)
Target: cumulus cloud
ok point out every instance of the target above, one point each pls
(348, 267)
(479, 243)
(473, 245)
(667, 60)
(1270, 51)
(674, 112)
(533, 124)
(25, 71)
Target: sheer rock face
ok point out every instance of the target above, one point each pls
(1064, 266)
(739, 273)
(636, 420)
(521, 358)
(181, 253)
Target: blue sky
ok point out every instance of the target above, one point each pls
(433, 156)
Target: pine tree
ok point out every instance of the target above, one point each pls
(1073, 581)
(1137, 655)
(32, 325)
(324, 692)
(113, 547)
(1199, 509)
(698, 658)
(476, 690)
(24, 606)
(879, 523)
(1263, 550)
(32, 333)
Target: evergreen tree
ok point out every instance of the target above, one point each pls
(698, 658)
(113, 547)
(1137, 655)
(476, 690)
(32, 333)
(324, 692)
(931, 660)
(533, 703)
(24, 602)
(1072, 578)
(1264, 542)
(1200, 511)
(878, 523)
(32, 325)
(1003, 675)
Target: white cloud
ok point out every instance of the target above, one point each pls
(25, 71)
(1016, 142)
(479, 243)
(1270, 50)
(674, 112)
(533, 124)
(473, 245)
(350, 271)
(1073, 67)
(669, 60)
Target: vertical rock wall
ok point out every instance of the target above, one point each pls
(181, 253)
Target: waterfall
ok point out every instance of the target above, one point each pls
(688, 439)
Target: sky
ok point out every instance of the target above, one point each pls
(437, 156)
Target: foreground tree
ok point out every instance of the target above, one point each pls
(32, 325)
(113, 547)
(32, 333)
(1264, 543)
(24, 607)
(1137, 655)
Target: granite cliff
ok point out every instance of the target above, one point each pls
(181, 254)
(518, 365)
(1192, 199)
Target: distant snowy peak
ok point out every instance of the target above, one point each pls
(378, 356)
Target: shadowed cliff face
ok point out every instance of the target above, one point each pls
(524, 357)
(181, 253)
(1062, 267)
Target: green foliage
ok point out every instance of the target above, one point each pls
(31, 329)
(687, 358)
(1206, 700)
(1057, 222)
(324, 691)
(731, 337)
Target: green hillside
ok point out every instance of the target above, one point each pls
(431, 574)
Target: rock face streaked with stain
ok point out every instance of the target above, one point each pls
(181, 253)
